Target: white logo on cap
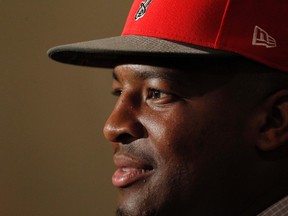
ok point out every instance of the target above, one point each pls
(142, 10)
(262, 38)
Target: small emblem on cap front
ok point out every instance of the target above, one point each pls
(262, 38)
(142, 10)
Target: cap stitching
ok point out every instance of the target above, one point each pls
(222, 23)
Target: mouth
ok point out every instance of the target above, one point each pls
(130, 171)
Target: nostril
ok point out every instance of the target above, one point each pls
(125, 138)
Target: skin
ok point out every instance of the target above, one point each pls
(192, 127)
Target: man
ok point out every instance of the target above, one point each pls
(200, 126)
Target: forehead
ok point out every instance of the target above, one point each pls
(144, 72)
(242, 70)
(194, 76)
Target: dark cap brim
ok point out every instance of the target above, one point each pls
(113, 51)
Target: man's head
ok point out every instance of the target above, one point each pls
(197, 129)
(185, 140)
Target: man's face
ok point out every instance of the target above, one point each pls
(173, 132)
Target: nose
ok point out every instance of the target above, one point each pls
(123, 125)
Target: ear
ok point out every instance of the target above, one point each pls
(273, 129)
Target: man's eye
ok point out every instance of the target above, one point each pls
(117, 92)
(155, 94)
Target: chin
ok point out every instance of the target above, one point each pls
(123, 212)
(142, 203)
(136, 201)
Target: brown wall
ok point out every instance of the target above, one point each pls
(54, 160)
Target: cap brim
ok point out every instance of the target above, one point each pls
(113, 51)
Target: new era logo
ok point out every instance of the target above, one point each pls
(262, 38)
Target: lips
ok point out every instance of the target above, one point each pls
(129, 171)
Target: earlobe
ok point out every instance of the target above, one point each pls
(274, 130)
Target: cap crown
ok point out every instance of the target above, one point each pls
(256, 29)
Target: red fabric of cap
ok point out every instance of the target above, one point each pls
(257, 29)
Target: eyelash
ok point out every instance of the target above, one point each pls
(152, 93)
(117, 92)
(155, 94)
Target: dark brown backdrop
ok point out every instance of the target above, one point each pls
(54, 160)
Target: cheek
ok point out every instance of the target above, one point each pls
(176, 136)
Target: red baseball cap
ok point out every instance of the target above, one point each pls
(191, 30)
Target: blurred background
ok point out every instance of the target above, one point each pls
(54, 160)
